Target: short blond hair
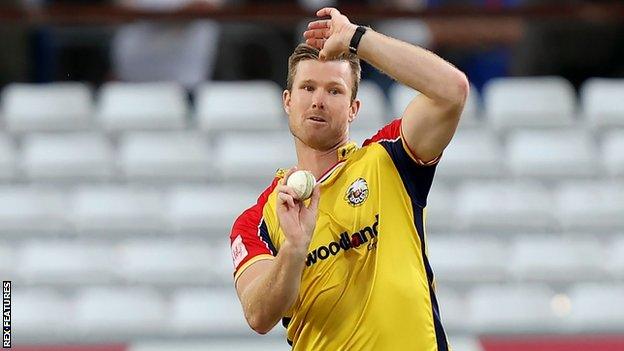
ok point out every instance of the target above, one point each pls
(307, 52)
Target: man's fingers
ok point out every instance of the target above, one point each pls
(320, 24)
(317, 43)
(316, 34)
(287, 190)
(327, 11)
(286, 199)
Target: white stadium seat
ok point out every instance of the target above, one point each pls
(556, 259)
(207, 209)
(253, 156)
(222, 262)
(453, 309)
(529, 102)
(401, 96)
(252, 343)
(613, 153)
(597, 307)
(602, 101)
(40, 313)
(114, 312)
(615, 260)
(164, 262)
(504, 206)
(590, 205)
(511, 308)
(240, 105)
(7, 262)
(47, 107)
(208, 311)
(8, 155)
(144, 106)
(373, 112)
(441, 208)
(552, 154)
(165, 156)
(116, 209)
(60, 262)
(462, 259)
(26, 209)
(472, 153)
(67, 156)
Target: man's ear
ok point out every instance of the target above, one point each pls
(354, 109)
(286, 101)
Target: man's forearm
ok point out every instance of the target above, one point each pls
(413, 66)
(269, 296)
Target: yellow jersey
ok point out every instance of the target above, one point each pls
(367, 283)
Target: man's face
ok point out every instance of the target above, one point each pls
(319, 106)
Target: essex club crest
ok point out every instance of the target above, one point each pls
(357, 192)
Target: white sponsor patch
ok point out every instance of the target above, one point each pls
(239, 251)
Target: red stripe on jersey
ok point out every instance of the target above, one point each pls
(389, 132)
(245, 239)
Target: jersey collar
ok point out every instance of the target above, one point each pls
(343, 152)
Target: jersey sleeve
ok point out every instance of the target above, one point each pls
(249, 239)
(417, 176)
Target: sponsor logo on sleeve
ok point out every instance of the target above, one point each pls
(239, 251)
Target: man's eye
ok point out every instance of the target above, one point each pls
(308, 88)
(334, 91)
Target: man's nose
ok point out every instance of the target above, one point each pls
(317, 100)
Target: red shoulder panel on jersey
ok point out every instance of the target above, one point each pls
(390, 131)
(246, 239)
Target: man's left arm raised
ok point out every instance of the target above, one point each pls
(431, 118)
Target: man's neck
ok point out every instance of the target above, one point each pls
(315, 161)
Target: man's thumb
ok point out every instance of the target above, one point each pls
(322, 55)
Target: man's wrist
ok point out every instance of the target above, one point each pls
(348, 34)
(296, 248)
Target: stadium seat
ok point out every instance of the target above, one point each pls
(373, 112)
(163, 261)
(207, 209)
(208, 311)
(32, 210)
(142, 106)
(62, 262)
(465, 343)
(116, 313)
(401, 96)
(511, 308)
(254, 157)
(615, 261)
(441, 207)
(472, 153)
(502, 206)
(613, 153)
(7, 259)
(552, 154)
(602, 101)
(535, 102)
(597, 307)
(222, 262)
(116, 209)
(47, 107)
(8, 167)
(75, 156)
(240, 105)
(556, 259)
(590, 205)
(467, 260)
(453, 309)
(40, 313)
(162, 156)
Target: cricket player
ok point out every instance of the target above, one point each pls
(348, 269)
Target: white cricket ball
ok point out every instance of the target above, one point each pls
(303, 183)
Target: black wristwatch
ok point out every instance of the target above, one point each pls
(355, 39)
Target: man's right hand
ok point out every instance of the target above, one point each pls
(295, 218)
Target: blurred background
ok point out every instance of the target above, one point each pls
(135, 131)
